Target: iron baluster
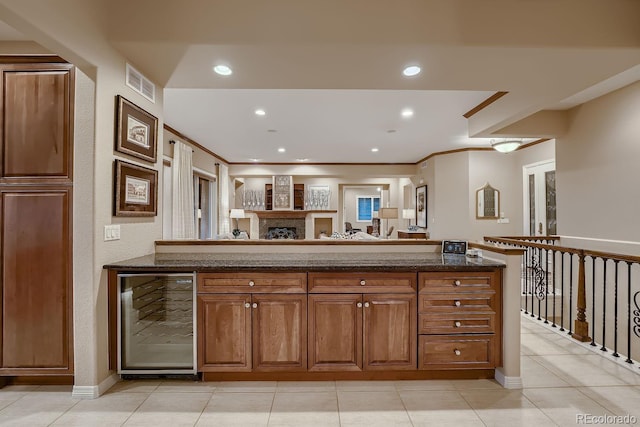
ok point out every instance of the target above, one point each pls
(570, 290)
(562, 293)
(593, 302)
(629, 313)
(604, 306)
(553, 290)
(615, 312)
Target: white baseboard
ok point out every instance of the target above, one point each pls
(94, 391)
(508, 382)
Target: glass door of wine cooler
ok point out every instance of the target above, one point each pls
(157, 325)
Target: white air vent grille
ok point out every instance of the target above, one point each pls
(141, 84)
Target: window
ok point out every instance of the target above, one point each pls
(366, 206)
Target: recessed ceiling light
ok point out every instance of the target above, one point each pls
(272, 130)
(255, 160)
(407, 112)
(281, 150)
(379, 189)
(374, 150)
(412, 70)
(302, 160)
(223, 70)
(391, 131)
(260, 112)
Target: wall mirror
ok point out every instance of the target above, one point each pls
(487, 202)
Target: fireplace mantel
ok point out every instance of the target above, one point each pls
(288, 214)
(309, 223)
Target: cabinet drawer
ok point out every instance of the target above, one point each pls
(458, 302)
(362, 283)
(468, 352)
(252, 282)
(456, 281)
(456, 323)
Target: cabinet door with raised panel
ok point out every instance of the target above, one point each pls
(335, 332)
(224, 333)
(390, 332)
(279, 332)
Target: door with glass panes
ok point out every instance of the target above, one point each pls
(540, 199)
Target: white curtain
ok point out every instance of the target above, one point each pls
(183, 223)
(223, 198)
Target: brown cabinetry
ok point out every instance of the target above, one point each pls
(264, 330)
(459, 320)
(368, 330)
(35, 211)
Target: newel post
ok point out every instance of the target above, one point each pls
(581, 326)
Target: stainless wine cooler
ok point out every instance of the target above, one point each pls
(156, 324)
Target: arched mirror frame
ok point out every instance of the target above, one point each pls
(487, 202)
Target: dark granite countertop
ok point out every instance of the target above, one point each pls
(304, 262)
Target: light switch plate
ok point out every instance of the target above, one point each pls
(111, 232)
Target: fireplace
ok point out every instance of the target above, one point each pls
(276, 233)
(282, 228)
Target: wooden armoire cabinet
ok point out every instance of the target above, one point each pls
(36, 199)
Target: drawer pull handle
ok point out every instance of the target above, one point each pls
(255, 305)
(457, 352)
(456, 283)
(247, 305)
(366, 304)
(359, 305)
(457, 303)
(457, 324)
(363, 282)
(251, 283)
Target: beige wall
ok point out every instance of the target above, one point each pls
(597, 168)
(452, 180)
(78, 38)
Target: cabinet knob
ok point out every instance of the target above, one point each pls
(457, 303)
(456, 282)
(255, 305)
(363, 282)
(359, 305)
(366, 304)
(457, 352)
(457, 324)
(247, 305)
(251, 283)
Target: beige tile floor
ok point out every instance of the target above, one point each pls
(561, 380)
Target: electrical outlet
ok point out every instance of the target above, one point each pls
(503, 221)
(111, 232)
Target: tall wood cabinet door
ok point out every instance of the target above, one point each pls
(224, 333)
(36, 137)
(36, 281)
(279, 332)
(390, 331)
(335, 332)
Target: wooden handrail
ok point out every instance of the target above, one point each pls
(521, 240)
(510, 241)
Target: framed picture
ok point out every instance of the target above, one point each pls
(135, 190)
(282, 193)
(136, 130)
(421, 206)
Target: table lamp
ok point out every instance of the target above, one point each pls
(235, 214)
(409, 214)
(387, 213)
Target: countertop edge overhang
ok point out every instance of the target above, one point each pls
(304, 262)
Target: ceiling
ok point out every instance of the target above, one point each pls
(328, 74)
